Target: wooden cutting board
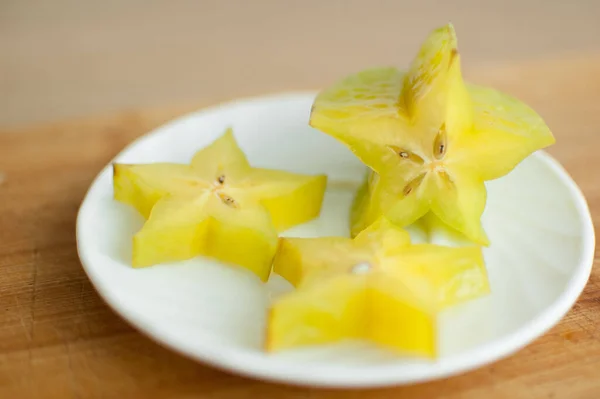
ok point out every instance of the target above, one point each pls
(59, 340)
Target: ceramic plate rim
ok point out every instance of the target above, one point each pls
(248, 364)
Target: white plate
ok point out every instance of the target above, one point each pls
(539, 261)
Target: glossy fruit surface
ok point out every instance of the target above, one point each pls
(218, 206)
(430, 138)
(376, 286)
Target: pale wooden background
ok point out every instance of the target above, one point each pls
(70, 58)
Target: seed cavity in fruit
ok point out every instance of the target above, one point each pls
(413, 184)
(440, 144)
(227, 200)
(447, 179)
(404, 154)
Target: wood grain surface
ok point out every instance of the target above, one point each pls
(59, 340)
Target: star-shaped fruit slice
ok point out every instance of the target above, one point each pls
(430, 139)
(218, 206)
(375, 287)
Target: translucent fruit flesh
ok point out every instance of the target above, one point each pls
(430, 139)
(218, 206)
(376, 287)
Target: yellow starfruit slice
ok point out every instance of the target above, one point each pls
(430, 139)
(377, 287)
(218, 206)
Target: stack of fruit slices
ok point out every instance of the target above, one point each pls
(430, 141)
